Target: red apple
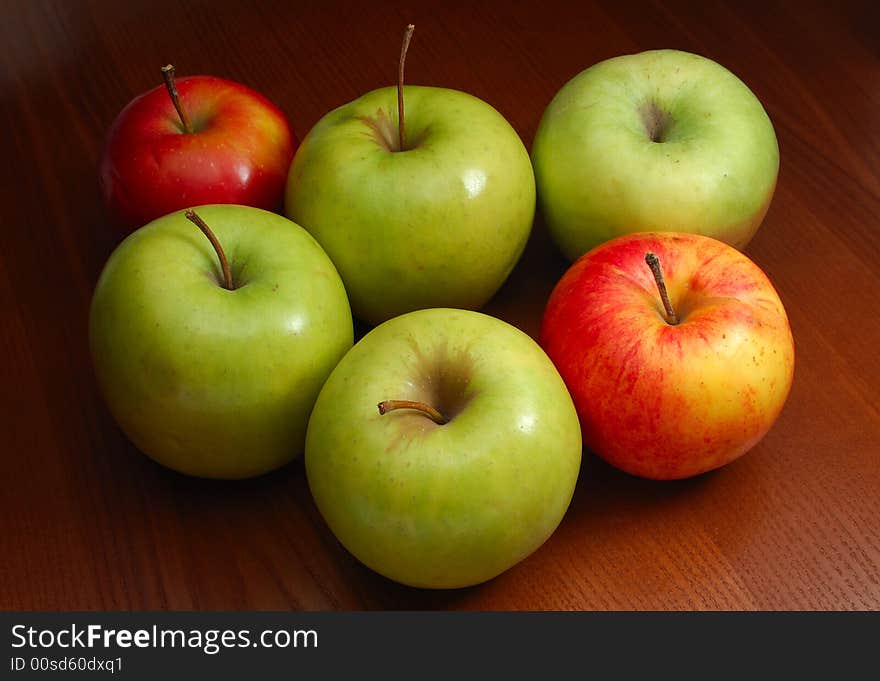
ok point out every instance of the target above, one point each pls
(670, 392)
(219, 142)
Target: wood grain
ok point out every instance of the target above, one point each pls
(86, 522)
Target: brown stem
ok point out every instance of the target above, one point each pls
(171, 86)
(224, 263)
(401, 130)
(426, 409)
(654, 264)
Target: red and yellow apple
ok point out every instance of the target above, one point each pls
(194, 141)
(669, 394)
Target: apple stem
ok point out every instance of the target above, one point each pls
(224, 263)
(401, 130)
(426, 409)
(171, 86)
(654, 263)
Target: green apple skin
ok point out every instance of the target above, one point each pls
(444, 506)
(440, 224)
(213, 382)
(600, 174)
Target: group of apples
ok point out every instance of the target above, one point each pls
(445, 445)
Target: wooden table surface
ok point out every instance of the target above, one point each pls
(87, 522)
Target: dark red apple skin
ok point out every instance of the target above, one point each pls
(239, 152)
(665, 401)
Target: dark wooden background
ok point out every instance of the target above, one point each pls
(86, 522)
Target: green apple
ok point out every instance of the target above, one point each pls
(658, 141)
(438, 223)
(473, 463)
(210, 379)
